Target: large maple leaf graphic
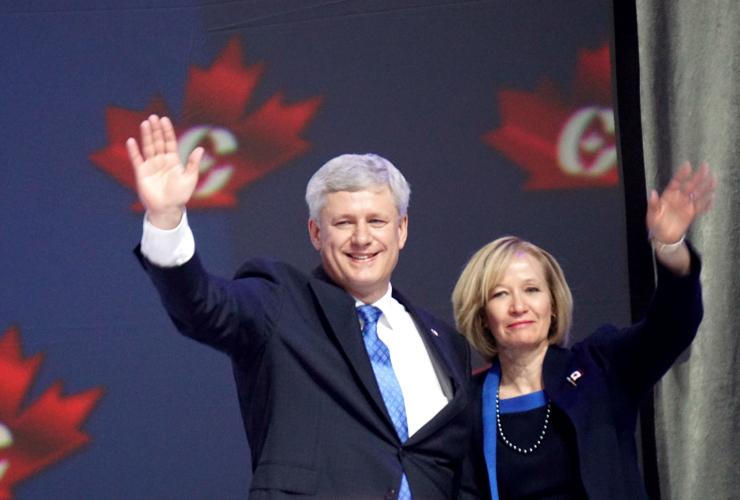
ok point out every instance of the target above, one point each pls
(563, 144)
(238, 149)
(35, 437)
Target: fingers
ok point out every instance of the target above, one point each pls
(706, 187)
(194, 161)
(695, 185)
(704, 205)
(133, 152)
(147, 144)
(704, 196)
(653, 201)
(680, 177)
(157, 135)
(653, 208)
(170, 139)
(700, 188)
(696, 179)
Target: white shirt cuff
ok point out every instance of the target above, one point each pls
(168, 248)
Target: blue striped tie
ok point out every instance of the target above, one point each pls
(380, 358)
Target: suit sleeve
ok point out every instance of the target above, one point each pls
(642, 353)
(233, 316)
(470, 484)
(474, 483)
(470, 481)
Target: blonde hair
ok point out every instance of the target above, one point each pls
(484, 271)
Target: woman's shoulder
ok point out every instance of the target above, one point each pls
(479, 375)
(604, 334)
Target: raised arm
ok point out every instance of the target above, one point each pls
(643, 352)
(670, 214)
(164, 185)
(234, 316)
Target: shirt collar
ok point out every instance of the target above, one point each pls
(385, 304)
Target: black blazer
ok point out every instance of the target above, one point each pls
(619, 367)
(314, 416)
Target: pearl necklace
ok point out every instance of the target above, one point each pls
(509, 443)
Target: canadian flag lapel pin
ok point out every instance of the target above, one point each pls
(574, 376)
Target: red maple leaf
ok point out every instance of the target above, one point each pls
(43, 433)
(562, 144)
(238, 150)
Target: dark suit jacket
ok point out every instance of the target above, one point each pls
(313, 413)
(619, 368)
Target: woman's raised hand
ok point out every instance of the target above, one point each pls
(688, 195)
(164, 185)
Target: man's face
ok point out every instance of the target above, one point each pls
(359, 238)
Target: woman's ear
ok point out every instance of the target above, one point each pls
(484, 321)
(553, 325)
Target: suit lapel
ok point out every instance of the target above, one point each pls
(557, 365)
(440, 343)
(570, 383)
(338, 307)
(577, 386)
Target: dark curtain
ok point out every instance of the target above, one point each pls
(690, 96)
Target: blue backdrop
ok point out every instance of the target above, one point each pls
(420, 82)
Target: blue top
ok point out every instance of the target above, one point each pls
(522, 403)
(552, 472)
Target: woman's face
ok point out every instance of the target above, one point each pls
(519, 308)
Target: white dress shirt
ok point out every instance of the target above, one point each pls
(168, 248)
(412, 363)
(416, 370)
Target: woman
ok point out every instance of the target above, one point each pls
(559, 423)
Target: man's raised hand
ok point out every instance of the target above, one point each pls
(163, 184)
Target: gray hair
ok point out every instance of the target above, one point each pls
(353, 173)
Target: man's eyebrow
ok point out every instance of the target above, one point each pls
(341, 216)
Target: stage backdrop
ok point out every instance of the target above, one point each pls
(499, 113)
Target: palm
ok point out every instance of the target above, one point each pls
(162, 182)
(687, 195)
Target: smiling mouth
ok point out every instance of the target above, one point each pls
(520, 324)
(362, 257)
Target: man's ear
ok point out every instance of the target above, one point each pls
(403, 230)
(313, 231)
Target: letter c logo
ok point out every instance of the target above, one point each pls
(589, 133)
(223, 142)
(6, 439)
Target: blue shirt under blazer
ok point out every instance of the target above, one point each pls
(618, 368)
(313, 413)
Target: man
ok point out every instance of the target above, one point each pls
(347, 391)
